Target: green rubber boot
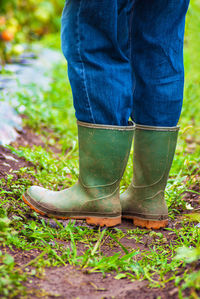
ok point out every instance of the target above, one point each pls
(103, 155)
(144, 201)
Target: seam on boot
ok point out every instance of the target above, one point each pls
(131, 127)
(97, 186)
(152, 128)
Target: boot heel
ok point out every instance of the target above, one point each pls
(155, 224)
(103, 221)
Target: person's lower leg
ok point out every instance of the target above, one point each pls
(157, 62)
(95, 42)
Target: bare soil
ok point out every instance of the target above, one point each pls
(71, 282)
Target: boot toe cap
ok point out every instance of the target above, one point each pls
(36, 193)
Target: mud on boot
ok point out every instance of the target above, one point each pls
(103, 155)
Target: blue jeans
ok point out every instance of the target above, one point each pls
(125, 59)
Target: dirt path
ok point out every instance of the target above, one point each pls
(71, 282)
(67, 282)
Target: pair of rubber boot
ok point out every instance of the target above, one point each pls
(103, 155)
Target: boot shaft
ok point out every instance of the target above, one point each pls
(144, 201)
(103, 153)
(154, 149)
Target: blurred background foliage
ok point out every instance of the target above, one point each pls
(23, 21)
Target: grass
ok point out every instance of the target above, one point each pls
(51, 115)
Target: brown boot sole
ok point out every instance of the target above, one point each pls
(155, 224)
(97, 221)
